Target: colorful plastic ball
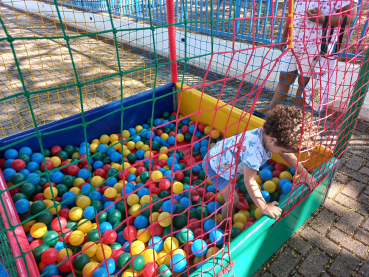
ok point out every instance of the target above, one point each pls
(164, 219)
(185, 235)
(18, 164)
(199, 248)
(286, 188)
(38, 230)
(104, 227)
(50, 270)
(49, 256)
(285, 175)
(164, 271)
(22, 206)
(156, 243)
(178, 262)
(265, 195)
(109, 206)
(292, 170)
(217, 236)
(103, 252)
(56, 177)
(266, 174)
(177, 187)
(8, 173)
(138, 262)
(270, 186)
(169, 206)
(50, 238)
(141, 222)
(80, 261)
(76, 238)
(100, 272)
(129, 233)
(58, 224)
(89, 267)
(170, 244)
(209, 224)
(11, 154)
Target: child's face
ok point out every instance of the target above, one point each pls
(272, 147)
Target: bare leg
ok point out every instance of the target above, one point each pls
(227, 209)
(281, 91)
(299, 102)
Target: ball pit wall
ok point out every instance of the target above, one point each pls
(104, 119)
(255, 245)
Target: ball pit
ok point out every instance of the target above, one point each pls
(120, 215)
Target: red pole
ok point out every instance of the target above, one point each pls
(172, 41)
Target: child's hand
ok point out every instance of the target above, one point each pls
(309, 180)
(312, 15)
(272, 210)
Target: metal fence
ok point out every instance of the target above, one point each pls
(262, 20)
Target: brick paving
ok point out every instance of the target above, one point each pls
(335, 239)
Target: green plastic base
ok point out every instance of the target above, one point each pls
(254, 246)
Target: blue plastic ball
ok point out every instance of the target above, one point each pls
(30, 238)
(198, 134)
(102, 147)
(59, 245)
(140, 154)
(265, 195)
(83, 150)
(196, 168)
(98, 164)
(186, 120)
(51, 270)
(25, 150)
(107, 204)
(157, 122)
(169, 206)
(89, 212)
(83, 173)
(31, 166)
(8, 163)
(156, 243)
(120, 239)
(132, 131)
(110, 151)
(100, 272)
(178, 262)
(263, 165)
(191, 129)
(143, 191)
(36, 180)
(141, 222)
(86, 189)
(37, 157)
(266, 174)
(157, 139)
(22, 206)
(197, 145)
(185, 202)
(203, 149)
(126, 191)
(111, 181)
(199, 247)
(105, 226)
(96, 194)
(293, 171)
(127, 247)
(281, 196)
(136, 139)
(217, 235)
(57, 177)
(83, 144)
(171, 140)
(115, 157)
(204, 142)
(171, 161)
(270, 167)
(103, 199)
(286, 188)
(130, 185)
(176, 167)
(8, 173)
(211, 188)
(110, 263)
(211, 206)
(24, 171)
(69, 197)
(11, 154)
(209, 224)
(131, 177)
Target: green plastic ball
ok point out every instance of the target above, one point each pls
(62, 188)
(138, 262)
(121, 226)
(201, 175)
(187, 173)
(121, 207)
(28, 189)
(145, 211)
(71, 224)
(132, 158)
(148, 121)
(47, 153)
(93, 235)
(164, 193)
(167, 130)
(37, 206)
(25, 216)
(43, 180)
(50, 238)
(103, 217)
(68, 180)
(252, 214)
(18, 196)
(188, 136)
(69, 149)
(274, 196)
(46, 217)
(242, 187)
(164, 271)
(38, 189)
(165, 115)
(115, 245)
(25, 157)
(168, 230)
(155, 145)
(193, 213)
(112, 172)
(157, 203)
(123, 260)
(248, 198)
(98, 156)
(235, 232)
(114, 215)
(80, 261)
(172, 117)
(98, 205)
(17, 178)
(63, 155)
(179, 209)
(106, 160)
(180, 221)
(39, 250)
(201, 212)
(144, 176)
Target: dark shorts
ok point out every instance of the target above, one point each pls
(219, 182)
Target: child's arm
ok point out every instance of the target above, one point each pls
(253, 189)
(305, 177)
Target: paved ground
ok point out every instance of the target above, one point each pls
(333, 242)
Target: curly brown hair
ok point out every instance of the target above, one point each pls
(285, 123)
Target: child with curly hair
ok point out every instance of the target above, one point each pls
(280, 134)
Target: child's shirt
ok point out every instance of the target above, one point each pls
(307, 34)
(252, 153)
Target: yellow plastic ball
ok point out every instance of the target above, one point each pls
(117, 197)
(239, 217)
(128, 273)
(145, 147)
(163, 149)
(131, 145)
(150, 255)
(180, 137)
(47, 201)
(258, 213)
(97, 180)
(179, 251)
(163, 157)
(164, 136)
(143, 235)
(238, 225)
(78, 182)
(285, 175)
(137, 247)
(104, 139)
(211, 251)
(28, 225)
(75, 190)
(126, 152)
(207, 130)
(259, 180)
(97, 141)
(38, 230)
(146, 199)
(126, 134)
(133, 199)
(85, 225)
(138, 180)
(156, 176)
(154, 217)
(220, 198)
(91, 251)
(133, 171)
(113, 137)
(83, 201)
(53, 210)
(126, 165)
(170, 244)
(219, 218)
(99, 252)
(118, 187)
(56, 161)
(75, 213)
(93, 147)
(177, 187)
(245, 213)
(166, 167)
(252, 206)
(139, 144)
(74, 155)
(48, 194)
(110, 193)
(135, 210)
(276, 181)
(76, 238)
(164, 219)
(116, 166)
(63, 252)
(162, 255)
(89, 268)
(138, 128)
(270, 186)
(116, 145)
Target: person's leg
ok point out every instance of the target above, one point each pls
(299, 101)
(281, 91)
(228, 209)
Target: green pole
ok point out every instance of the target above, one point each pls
(353, 110)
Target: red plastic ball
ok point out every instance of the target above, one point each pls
(162, 163)
(194, 224)
(184, 129)
(187, 248)
(100, 172)
(109, 236)
(58, 199)
(64, 213)
(174, 113)
(276, 173)
(15, 190)
(250, 219)
(49, 165)
(155, 230)
(65, 169)
(140, 170)
(116, 253)
(271, 162)
(56, 226)
(164, 184)
(149, 270)
(195, 138)
(178, 175)
(198, 233)
(130, 233)
(65, 266)
(195, 195)
(172, 134)
(18, 164)
(175, 201)
(83, 162)
(86, 166)
(159, 132)
(55, 150)
(247, 225)
(209, 196)
(160, 210)
(36, 243)
(66, 232)
(2, 161)
(156, 167)
(279, 166)
(47, 185)
(123, 175)
(49, 256)
(201, 127)
(39, 196)
(73, 169)
(131, 221)
(208, 241)
(201, 191)
(106, 167)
